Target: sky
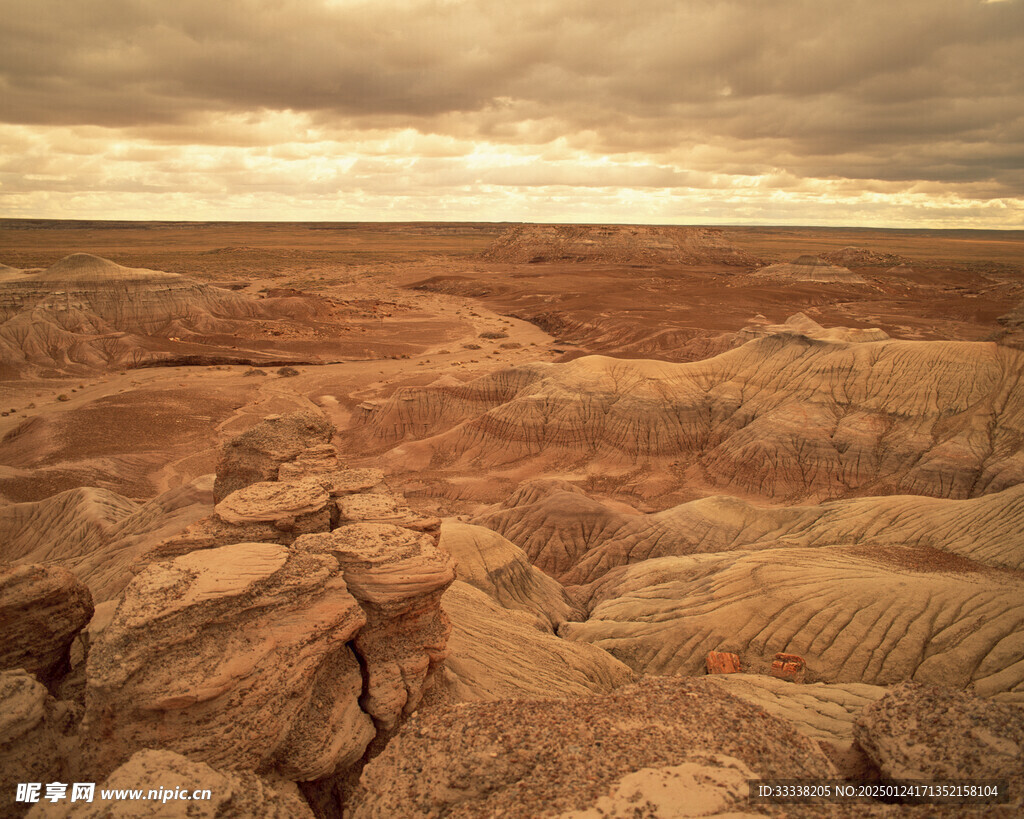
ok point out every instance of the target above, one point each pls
(884, 113)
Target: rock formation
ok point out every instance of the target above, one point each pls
(236, 656)
(398, 578)
(784, 417)
(615, 244)
(930, 733)
(807, 269)
(42, 608)
(853, 256)
(96, 533)
(502, 570)
(36, 736)
(257, 454)
(498, 653)
(855, 614)
(545, 757)
(206, 792)
(86, 312)
(578, 539)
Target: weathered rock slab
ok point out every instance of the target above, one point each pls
(235, 656)
(42, 608)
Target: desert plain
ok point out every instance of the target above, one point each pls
(478, 519)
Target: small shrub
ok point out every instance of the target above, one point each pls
(287, 372)
(493, 334)
(63, 397)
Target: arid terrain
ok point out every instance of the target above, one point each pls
(388, 520)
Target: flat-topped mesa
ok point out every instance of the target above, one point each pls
(375, 507)
(398, 577)
(238, 657)
(808, 269)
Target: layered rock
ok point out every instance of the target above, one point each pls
(854, 614)
(377, 507)
(579, 539)
(807, 269)
(784, 417)
(502, 570)
(36, 737)
(398, 577)
(298, 507)
(42, 608)
(207, 793)
(96, 533)
(257, 454)
(236, 656)
(497, 653)
(88, 312)
(545, 757)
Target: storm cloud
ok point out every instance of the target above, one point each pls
(481, 109)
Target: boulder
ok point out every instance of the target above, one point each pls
(35, 736)
(42, 608)
(789, 667)
(236, 656)
(398, 577)
(545, 757)
(722, 662)
(257, 454)
(220, 794)
(927, 732)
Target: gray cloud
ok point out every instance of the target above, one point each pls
(915, 91)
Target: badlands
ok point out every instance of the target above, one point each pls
(481, 520)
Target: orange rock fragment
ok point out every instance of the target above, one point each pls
(722, 662)
(789, 667)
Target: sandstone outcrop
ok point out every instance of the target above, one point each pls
(299, 506)
(398, 577)
(36, 737)
(930, 733)
(377, 507)
(784, 417)
(497, 653)
(42, 608)
(96, 533)
(502, 570)
(228, 794)
(547, 757)
(236, 656)
(615, 244)
(257, 454)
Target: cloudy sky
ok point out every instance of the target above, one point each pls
(900, 113)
